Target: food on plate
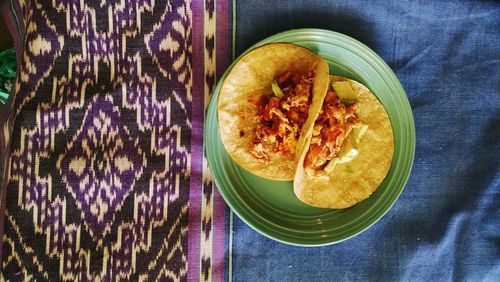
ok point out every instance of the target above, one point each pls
(282, 117)
(349, 148)
(267, 103)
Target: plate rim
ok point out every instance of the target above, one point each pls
(410, 125)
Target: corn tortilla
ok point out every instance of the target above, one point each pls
(352, 182)
(250, 78)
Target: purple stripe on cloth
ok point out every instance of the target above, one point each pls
(223, 50)
(196, 143)
(219, 213)
(219, 232)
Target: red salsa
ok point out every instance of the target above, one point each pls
(331, 129)
(282, 117)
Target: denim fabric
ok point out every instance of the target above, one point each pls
(446, 223)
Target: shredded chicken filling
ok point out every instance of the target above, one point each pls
(282, 118)
(331, 129)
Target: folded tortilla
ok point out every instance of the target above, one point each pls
(352, 182)
(250, 78)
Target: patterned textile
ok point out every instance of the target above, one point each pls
(107, 178)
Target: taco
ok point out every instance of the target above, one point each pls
(349, 150)
(264, 104)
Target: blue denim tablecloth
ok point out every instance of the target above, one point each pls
(446, 223)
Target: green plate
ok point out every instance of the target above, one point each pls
(270, 207)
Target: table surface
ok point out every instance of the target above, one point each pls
(446, 223)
